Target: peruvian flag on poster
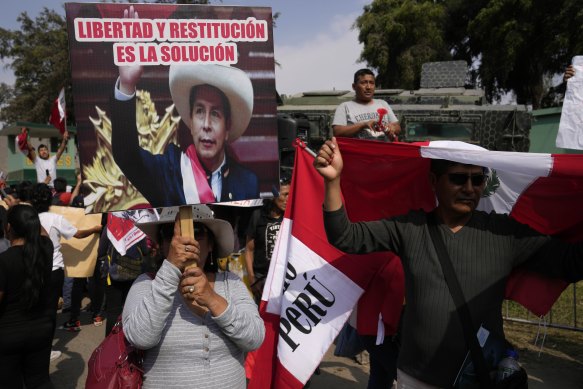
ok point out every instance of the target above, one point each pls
(122, 231)
(58, 114)
(312, 287)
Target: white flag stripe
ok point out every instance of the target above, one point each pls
(273, 289)
(533, 164)
(512, 185)
(317, 302)
(61, 103)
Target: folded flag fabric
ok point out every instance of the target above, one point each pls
(58, 113)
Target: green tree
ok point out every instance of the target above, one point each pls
(513, 45)
(40, 61)
(520, 42)
(399, 36)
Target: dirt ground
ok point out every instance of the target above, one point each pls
(559, 365)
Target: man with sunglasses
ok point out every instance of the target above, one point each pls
(484, 249)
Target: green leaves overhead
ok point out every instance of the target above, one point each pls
(514, 45)
(38, 56)
(399, 36)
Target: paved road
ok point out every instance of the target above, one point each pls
(70, 370)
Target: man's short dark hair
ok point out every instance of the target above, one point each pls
(224, 100)
(284, 179)
(440, 166)
(41, 146)
(362, 72)
(60, 184)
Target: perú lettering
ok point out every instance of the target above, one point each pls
(307, 309)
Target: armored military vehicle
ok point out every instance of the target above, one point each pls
(442, 109)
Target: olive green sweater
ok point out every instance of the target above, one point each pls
(483, 254)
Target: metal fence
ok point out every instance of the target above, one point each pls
(566, 313)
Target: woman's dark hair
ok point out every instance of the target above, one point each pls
(24, 190)
(211, 266)
(2, 221)
(24, 223)
(42, 197)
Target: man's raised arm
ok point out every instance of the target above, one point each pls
(328, 163)
(63, 145)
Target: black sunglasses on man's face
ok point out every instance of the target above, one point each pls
(460, 179)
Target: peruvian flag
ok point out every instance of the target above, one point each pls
(58, 114)
(122, 231)
(21, 141)
(312, 287)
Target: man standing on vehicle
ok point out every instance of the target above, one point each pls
(45, 164)
(366, 117)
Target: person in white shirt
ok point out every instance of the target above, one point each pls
(45, 164)
(56, 227)
(365, 117)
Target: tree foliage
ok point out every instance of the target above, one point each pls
(514, 44)
(399, 36)
(522, 41)
(40, 61)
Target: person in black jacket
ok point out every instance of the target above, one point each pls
(26, 310)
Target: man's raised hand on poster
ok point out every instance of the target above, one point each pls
(129, 75)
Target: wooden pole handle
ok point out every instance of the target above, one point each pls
(186, 226)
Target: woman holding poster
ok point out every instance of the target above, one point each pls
(215, 102)
(194, 323)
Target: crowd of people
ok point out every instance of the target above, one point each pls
(197, 324)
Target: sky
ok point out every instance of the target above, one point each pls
(315, 45)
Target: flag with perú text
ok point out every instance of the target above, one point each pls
(312, 287)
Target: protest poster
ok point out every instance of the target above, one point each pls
(79, 255)
(204, 128)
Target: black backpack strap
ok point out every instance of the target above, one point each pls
(455, 289)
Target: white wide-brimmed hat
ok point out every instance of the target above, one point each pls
(233, 82)
(221, 229)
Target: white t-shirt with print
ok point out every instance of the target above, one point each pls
(351, 112)
(57, 226)
(42, 165)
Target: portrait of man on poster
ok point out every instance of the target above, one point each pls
(215, 102)
(173, 113)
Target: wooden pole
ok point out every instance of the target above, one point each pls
(186, 226)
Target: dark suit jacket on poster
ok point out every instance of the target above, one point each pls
(158, 177)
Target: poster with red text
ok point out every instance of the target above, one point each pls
(174, 104)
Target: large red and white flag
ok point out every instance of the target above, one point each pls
(58, 114)
(312, 287)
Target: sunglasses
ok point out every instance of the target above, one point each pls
(460, 179)
(200, 231)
